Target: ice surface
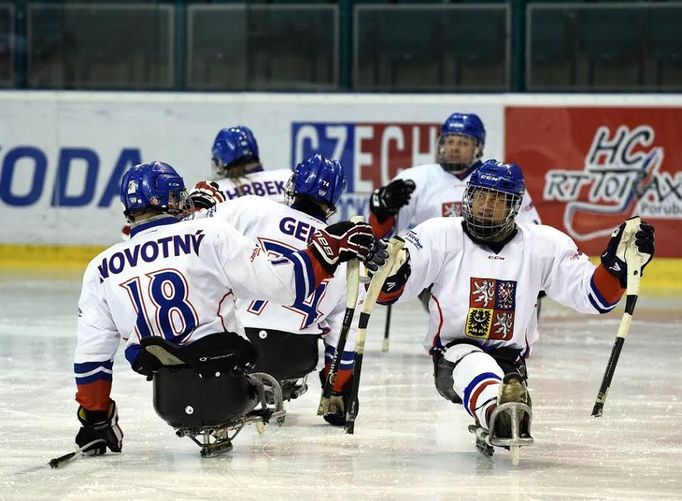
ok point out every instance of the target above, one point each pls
(409, 443)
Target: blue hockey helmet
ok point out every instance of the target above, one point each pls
(492, 200)
(233, 147)
(153, 186)
(460, 124)
(318, 179)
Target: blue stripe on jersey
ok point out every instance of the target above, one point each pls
(93, 371)
(346, 358)
(597, 306)
(303, 274)
(597, 300)
(157, 222)
(90, 366)
(477, 380)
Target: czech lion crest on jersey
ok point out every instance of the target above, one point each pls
(491, 309)
(451, 209)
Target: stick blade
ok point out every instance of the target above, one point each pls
(598, 409)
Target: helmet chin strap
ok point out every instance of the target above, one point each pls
(496, 242)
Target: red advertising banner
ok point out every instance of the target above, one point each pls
(588, 169)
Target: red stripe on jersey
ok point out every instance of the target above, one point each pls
(381, 230)
(436, 339)
(319, 271)
(477, 392)
(608, 285)
(94, 396)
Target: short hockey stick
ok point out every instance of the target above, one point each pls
(634, 263)
(389, 308)
(377, 282)
(56, 462)
(352, 285)
(387, 328)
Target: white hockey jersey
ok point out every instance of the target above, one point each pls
(178, 280)
(438, 193)
(263, 183)
(280, 230)
(489, 299)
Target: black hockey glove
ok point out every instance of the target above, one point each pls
(613, 258)
(100, 425)
(398, 276)
(206, 194)
(146, 364)
(342, 242)
(377, 256)
(387, 200)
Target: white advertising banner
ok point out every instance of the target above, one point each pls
(62, 154)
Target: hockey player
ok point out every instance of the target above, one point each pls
(486, 271)
(238, 170)
(435, 190)
(287, 336)
(175, 282)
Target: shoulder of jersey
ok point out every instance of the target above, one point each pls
(276, 173)
(247, 202)
(224, 183)
(544, 237)
(420, 171)
(442, 226)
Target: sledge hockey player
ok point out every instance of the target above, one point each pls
(238, 170)
(487, 270)
(286, 337)
(169, 293)
(436, 190)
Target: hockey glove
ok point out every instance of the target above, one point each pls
(100, 425)
(387, 200)
(206, 194)
(341, 242)
(613, 258)
(377, 256)
(146, 364)
(339, 400)
(397, 278)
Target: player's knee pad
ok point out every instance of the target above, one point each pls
(186, 399)
(284, 355)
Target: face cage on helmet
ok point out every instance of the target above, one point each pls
(290, 196)
(484, 228)
(456, 167)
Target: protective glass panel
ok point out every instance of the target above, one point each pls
(8, 45)
(617, 47)
(404, 48)
(262, 47)
(79, 46)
